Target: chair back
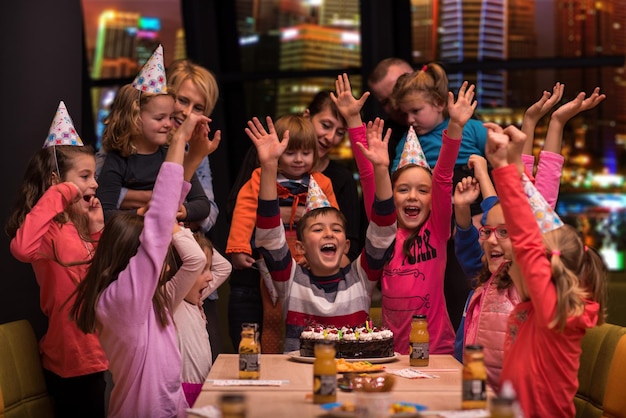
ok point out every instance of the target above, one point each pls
(598, 347)
(615, 395)
(22, 384)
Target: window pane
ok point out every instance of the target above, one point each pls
(293, 35)
(121, 35)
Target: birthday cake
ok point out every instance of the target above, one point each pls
(350, 343)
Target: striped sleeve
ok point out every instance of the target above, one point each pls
(379, 239)
(271, 243)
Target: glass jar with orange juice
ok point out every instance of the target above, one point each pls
(249, 352)
(324, 373)
(419, 341)
(474, 378)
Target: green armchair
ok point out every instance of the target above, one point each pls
(598, 347)
(22, 385)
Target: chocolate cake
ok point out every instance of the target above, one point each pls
(350, 343)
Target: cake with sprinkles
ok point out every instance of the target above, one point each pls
(350, 342)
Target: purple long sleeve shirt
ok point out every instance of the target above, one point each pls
(143, 356)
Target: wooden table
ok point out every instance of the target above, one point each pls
(293, 399)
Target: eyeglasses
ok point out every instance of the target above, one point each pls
(485, 232)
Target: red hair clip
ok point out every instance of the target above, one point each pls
(424, 68)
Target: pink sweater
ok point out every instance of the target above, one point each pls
(144, 358)
(418, 289)
(542, 363)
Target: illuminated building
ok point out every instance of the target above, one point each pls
(478, 30)
(308, 47)
(475, 30)
(522, 40)
(180, 51)
(124, 43)
(424, 24)
(339, 13)
(114, 54)
(586, 29)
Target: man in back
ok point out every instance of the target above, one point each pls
(380, 82)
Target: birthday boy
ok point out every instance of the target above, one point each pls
(323, 292)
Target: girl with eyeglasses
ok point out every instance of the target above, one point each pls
(494, 296)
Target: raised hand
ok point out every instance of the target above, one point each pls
(269, 147)
(466, 191)
(348, 105)
(494, 127)
(194, 126)
(516, 146)
(377, 150)
(547, 101)
(478, 163)
(497, 148)
(461, 110)
(577, 105)
(538, 110)
(190, 129)
(200, 144)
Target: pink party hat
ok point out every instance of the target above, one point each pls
(151, 78)
(315, 198)
(62, 131)
(546, 217)
(412, 152)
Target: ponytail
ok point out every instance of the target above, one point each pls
(578, 273)
(594, 275)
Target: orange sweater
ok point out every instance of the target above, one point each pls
(244, 215)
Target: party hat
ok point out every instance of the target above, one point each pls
(315, 198)
(151, 78)
(412, 152)
(546, 217)
(62, 131)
